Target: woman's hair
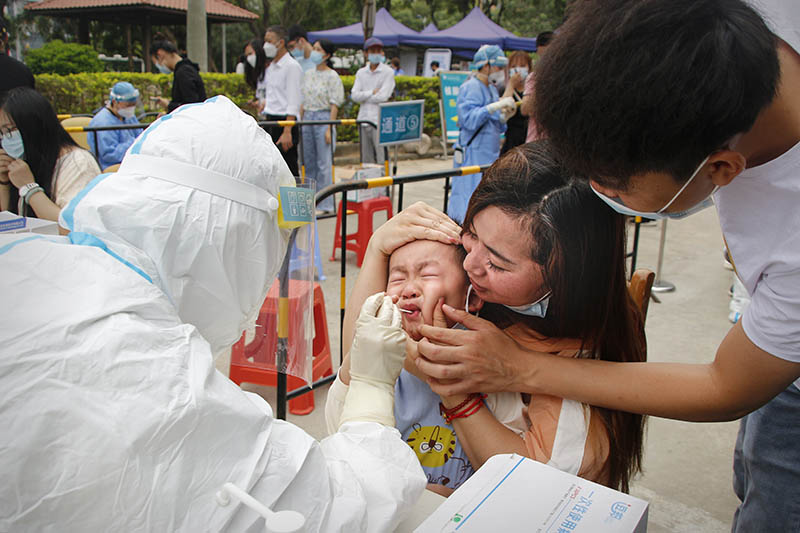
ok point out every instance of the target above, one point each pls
(42, 135)
(162, 43)
(253, 74)
(580, 244)
(520, 55)
(329, 48)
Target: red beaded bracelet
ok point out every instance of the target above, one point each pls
(471, 405)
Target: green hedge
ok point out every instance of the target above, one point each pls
(85, 92)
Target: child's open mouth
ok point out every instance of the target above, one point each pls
(411, 310)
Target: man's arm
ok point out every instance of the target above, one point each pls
(385, 91)
(357, 93)
(741, 378)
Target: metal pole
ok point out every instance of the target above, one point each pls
(196, 33)
(446, 192)
(660, 285)
(344, 275)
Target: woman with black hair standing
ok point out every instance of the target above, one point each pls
(255, 67)
(323, 93)
(41, 167)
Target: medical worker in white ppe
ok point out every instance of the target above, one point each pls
(482, 116)
(113, 416)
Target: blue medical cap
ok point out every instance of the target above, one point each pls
(122, 91)
(489, 53)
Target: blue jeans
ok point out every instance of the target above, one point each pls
(317, 153)
(766, 467)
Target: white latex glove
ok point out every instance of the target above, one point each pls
(376, 359)
(506, 102)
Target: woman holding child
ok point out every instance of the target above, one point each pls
(545, 265)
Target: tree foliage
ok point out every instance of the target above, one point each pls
(58, 57)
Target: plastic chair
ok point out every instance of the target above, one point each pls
(80, 137)
(255, 362)
(640, 286)
(365, 210)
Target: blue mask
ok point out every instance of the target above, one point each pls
(316, 57)
(617, 205)
(376, 58)
(12, 144)
(162, 69)
(537, 308)
(297, 53)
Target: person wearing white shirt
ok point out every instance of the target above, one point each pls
(300, 48)
(374, 84)
(284, 78)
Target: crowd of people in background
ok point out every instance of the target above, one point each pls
(293, 79)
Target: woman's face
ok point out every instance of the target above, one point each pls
(498, 261)
(318, 48)
(248, 50)
(6, 124)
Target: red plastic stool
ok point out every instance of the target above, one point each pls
(358, 241)
(255, 362)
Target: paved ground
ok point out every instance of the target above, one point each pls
(687, 477)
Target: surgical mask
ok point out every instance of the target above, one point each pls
(297, 53)
(522, 71)
(376, 58)
(316, 57)
(617, 205)
(162, 69)
(251, 59)
(12, 144)
(537, 308)
(497, 78)
(270, 50)
(126, 112)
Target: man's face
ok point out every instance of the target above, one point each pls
(299, 43)
(651, 191)
(116, 106)
(422, 272)
(271, 37)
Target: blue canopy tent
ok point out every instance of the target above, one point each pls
(430, 28)
(387, 29)
(470, 33)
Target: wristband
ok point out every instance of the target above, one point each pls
(26, 192)
(27, 188)
(465, 409)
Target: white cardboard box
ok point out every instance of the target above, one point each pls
(11, 223)
(512, 493)
(364, 171)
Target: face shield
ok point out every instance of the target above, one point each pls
(195, 205)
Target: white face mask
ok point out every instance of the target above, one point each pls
(617, 205)
(126, 112)
(497, 78)
(522, 71)
(251, 59)
(270, 50)
(537, 308)
(162, 69)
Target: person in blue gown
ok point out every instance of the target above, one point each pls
(110, 146)
(481, 122)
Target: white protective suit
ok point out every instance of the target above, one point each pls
(113, 416)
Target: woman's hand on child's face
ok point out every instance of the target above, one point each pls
(482, 359)
(417, 221)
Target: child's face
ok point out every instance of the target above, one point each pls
(420, 273)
